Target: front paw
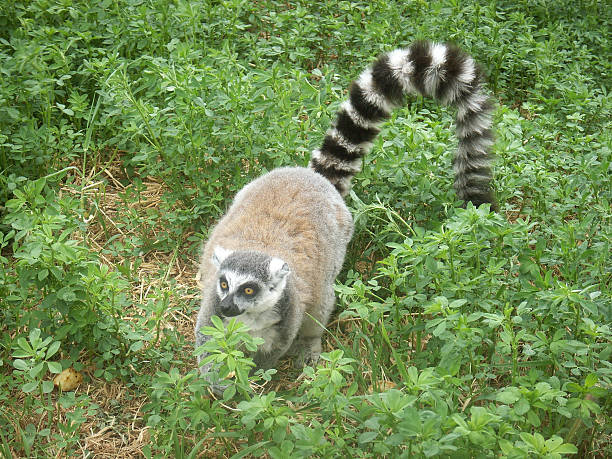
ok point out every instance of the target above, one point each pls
(311, 359)
(213, 386)
(308, 351)
(218, 389)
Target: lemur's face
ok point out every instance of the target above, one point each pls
(247, 282)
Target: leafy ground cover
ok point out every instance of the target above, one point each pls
(126, 126)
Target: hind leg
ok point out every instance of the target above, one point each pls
(308, 343)
(306, 350)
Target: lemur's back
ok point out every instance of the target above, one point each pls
(294, 214)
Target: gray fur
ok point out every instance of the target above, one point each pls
(286, 231)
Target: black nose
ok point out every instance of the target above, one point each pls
(231, 312)
(228, 308)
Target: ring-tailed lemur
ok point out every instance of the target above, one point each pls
(272, 260)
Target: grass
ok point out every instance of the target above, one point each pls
(127, 126)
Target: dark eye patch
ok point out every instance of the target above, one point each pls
(223, 283)
(248, 290)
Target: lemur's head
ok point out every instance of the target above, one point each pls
(247, 281)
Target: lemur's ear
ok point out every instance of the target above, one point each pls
(219, 255)
(279, 270)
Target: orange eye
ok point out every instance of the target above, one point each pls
(249, 291)
(223, 285)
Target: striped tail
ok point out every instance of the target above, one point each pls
(441, 71)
